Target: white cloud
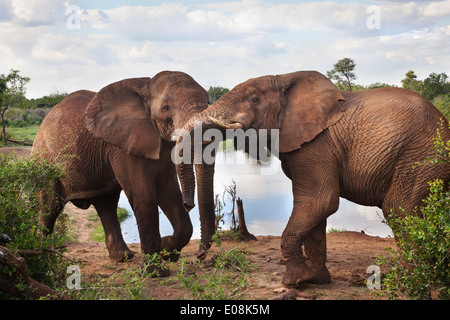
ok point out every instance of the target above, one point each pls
(221, 43)
(35, 13)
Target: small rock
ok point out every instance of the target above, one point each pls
(289, 295)
(306, 296)
(280, 290)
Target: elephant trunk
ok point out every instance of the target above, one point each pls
(185, 174)
(205, 183)
(204, 176)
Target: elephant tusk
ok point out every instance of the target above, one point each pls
(233, 126)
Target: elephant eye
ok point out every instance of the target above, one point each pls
(165, 108)
(255, 100)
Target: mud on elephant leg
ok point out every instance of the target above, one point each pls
(106, 207)
(315, 247)
(306, 227)
(297, 270)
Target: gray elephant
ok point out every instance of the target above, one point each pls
(120, 139)
(357, 145)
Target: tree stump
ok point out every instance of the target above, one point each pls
(242, 226)
(19, 275)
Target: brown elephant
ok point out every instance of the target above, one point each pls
(357, 145)
(120, 139)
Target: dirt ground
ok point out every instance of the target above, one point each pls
(18, 151)
(349, 254)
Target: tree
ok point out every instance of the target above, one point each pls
(411, 82)
(435, 85)
(12, 90)
(343, 74)
(215, 93)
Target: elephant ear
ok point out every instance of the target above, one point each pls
(311, 105)
(118, 114)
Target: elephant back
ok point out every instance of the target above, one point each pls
(62, 125)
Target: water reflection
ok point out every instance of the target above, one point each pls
(267, 197)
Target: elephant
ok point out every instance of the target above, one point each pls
(357, 145)
(121, 139)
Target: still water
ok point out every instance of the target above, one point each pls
(267, 199)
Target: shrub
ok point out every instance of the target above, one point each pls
(228, 280)
(21, 181)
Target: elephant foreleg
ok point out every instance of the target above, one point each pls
(316, 197)
(315, 247)
(171, 202)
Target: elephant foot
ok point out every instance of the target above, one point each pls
(201, 254)
(203, 250)
(300, 272)
(322, 277)
(121, 255)
(158, 270)
(169, 252)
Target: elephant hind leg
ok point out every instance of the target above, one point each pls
(408, 189)
(106, 207)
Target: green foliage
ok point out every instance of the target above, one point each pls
(32, 111)
(215, 93)
(21, 181)
(228, 280)
(343, 74)
(12, 91)
(411, 82)
(27, 133)
(333, 230)
(442, 102)
(434, 86)
(128, 284)
(46, 102)
(421, 264)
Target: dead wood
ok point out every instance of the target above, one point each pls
(242, 225)
(17, 282)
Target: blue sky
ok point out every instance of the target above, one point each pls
(218, 42)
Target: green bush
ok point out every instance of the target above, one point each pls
(421, 264)
(228, 280)
(21, 181)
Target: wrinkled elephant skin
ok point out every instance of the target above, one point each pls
(120, 139)
(357, 145)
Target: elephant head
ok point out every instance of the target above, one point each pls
(300, 105)
(138, 114)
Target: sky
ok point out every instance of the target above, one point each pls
(64, 46)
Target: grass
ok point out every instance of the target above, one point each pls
(98, 234)
(22, 134)
(331, 230)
